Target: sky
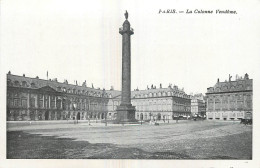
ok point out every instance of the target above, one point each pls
(80, 40)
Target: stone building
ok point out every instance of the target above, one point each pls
(198, 105)
(230, 100)
(38, 99)
(157, 104)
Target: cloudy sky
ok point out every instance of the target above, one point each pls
(79, 40)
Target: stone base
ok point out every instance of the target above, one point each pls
(125, 114)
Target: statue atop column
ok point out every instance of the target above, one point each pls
(126, 15)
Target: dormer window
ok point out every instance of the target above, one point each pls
(58, 88)
(16, 83)
(33, 85)
(9, 83)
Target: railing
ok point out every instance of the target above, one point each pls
(121, 29)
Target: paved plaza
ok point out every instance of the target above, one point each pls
(182, 140)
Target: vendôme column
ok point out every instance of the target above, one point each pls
(126, 112)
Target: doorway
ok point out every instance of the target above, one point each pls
(78, 116)
(47, 115)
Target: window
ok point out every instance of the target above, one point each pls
(33, 85)
(40, 103)
(224, 103)
(32, 102)
(240, 102)
(211, 104)
(9, 102)
(16, 83)
(24, 84)
(232, 102)
(52, 104)
(16, 102)
(249, 101)
(24, 103)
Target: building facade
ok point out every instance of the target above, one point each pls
(230, 100)
(155, 104)
(38, 99)
(198, 105)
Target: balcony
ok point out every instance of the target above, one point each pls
(121, 29)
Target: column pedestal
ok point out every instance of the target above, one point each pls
(125, 114)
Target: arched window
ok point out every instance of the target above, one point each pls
(141, 116)
(16, 83)
(24, 84)
(217, 89)
(240, 87)
(224, 88)
(232, 88)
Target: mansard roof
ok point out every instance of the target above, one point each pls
(160, 92)
(114, 93)
(36, 83)
(54, 85)
(232, 86)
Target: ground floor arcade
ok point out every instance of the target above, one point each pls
(26, 115)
